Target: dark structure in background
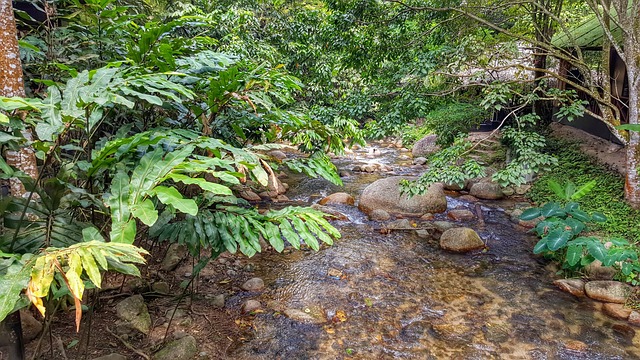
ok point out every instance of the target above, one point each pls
(589, 37)
(34, 9)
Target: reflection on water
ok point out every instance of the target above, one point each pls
(399, 296)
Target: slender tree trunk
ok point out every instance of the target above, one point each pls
(632, 183)
(12, 84)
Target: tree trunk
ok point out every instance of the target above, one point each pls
(11, 84)
(632, 183)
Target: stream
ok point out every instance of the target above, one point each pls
(397, 296)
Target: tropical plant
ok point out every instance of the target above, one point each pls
(560, 230)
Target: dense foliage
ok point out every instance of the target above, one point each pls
(148, 120)
(145, 119)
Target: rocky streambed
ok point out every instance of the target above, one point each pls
(387, 289)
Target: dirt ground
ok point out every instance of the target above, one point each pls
(602, 150)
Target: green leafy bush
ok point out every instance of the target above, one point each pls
(560, 235)
(450, 120)
(606, 197)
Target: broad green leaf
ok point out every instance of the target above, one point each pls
(632, 127)
(574, 253)
(575, 225)
(289, 234)
(571, 206)
(91, 234)
(551, 210)
(171, 196)
(540, 247)
(558, 238)
(598, 217)
(128, 269)
(304, 233)
(273, 236)
(583, 190)
(11, 285)
(580, 215)
(118, 202)
(145, 211)
(202, 183)
(90, 266)
(597, 250)
(74, 275)
(530, 214)
(123, 232)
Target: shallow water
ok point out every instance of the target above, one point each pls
(399, 296)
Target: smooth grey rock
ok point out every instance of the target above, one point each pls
(161, 287)
(253, 284)
(379, 215)
(173, 257)
(423, 234)
(218, 301)
(301, 316)
(607, 291)
(461, 240)
(184, 348)
(425, 146)
(400, 224)
(134, 312)
(251, 305)
(486, 190)
(277, 154)
(443, 226)
(461, 215)
(31, 327)
(420, 160)
(385, 194)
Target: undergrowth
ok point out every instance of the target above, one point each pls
(607, 196)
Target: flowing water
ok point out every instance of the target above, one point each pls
(388, 296)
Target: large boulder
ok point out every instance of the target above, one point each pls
(607, 291)
(486, 190)
(425, 146)
(385, 194)
(461, 240)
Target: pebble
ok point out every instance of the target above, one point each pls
(575, 345)
(253, 284)
(251, 305)
(634, 318)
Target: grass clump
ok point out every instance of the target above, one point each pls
(607, 196)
